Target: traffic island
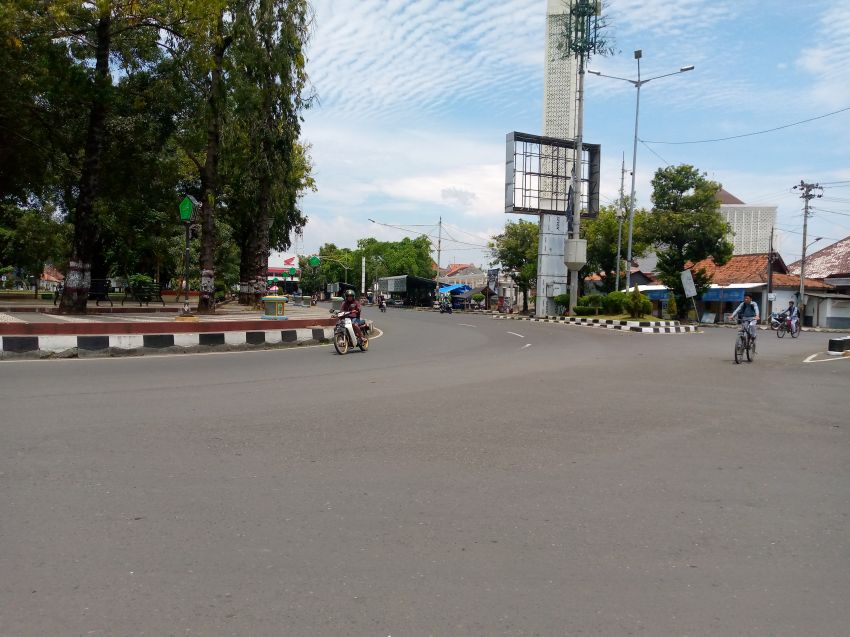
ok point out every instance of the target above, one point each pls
(80, 340)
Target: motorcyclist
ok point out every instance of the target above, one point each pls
(351, 306)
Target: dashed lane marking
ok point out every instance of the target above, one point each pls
(515, 334)
(466, 325)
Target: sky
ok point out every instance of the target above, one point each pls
(413, 99)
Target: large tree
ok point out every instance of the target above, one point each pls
(516, 250)
(601, 235)
(686, 226)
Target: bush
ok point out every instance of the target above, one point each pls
(614, 302)
(637, 304)
(584, 310)
(672, 308)
(563, 302)
(591, 300)
(138, 280)
(478, 297)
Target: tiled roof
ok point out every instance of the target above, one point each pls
(727, 198)
(832, 260)
(752, 268)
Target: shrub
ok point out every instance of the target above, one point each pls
(563, 302)
(637, 304)
(591, 300)
(614, 302)
(672, 308)
(478, 297)
(584, 310)
(139, 280)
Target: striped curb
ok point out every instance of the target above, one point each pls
(839, 346)
(643, 327)
(69, 346)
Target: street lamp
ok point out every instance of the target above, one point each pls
(620, 214)
(637, 84)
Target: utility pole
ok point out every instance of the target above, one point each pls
(620, 214)
(770, 277)
(439, 250)
(806, 195)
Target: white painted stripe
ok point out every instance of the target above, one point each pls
(235, 338)
(57, 343)
(466, 325)
(515, 334)
(302, 335)
(273, 337)
(525, 346)
(126, 341)
(187, 339)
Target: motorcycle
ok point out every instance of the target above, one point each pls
(776, 319)
(382, 304)
(445, 308)
(344, 335)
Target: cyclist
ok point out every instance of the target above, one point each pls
(793, 315)
(749, 311)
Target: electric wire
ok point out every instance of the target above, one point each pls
(761, 132)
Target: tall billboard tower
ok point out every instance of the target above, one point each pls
(559, 119)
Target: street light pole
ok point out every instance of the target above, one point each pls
(637, 84)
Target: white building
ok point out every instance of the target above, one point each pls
(559, 120)
(751, 225)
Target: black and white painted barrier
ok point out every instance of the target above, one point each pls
(69, 346)
(643, 327)
(839, 346)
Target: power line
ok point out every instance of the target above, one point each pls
(761, 132)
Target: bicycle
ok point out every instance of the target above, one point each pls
(744, 342)
(787, 325)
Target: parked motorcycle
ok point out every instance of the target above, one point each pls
(344, 335)
(776, 319)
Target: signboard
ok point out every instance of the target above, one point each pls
(493, 278)
(688, 284)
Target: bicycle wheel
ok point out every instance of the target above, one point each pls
(739, 349)
(780, 331)
(796, 331)
(751, 350)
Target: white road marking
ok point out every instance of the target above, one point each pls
(466, 325)
(811, 358)
(515, 334)
(525, 346)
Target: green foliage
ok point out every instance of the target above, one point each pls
(614, 302)
(686, 226)
(637, 304)
(591, 300)
(516, 250)
(139, 280)
(584, 310)
(478, 297)
(672, 308)
(601, 235)
(562, 301)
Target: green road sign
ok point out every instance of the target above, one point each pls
(186, 208)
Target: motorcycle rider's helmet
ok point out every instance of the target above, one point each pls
(349, 295)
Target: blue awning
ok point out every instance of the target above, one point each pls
(656, 295)
(724, 294)
(460, 287)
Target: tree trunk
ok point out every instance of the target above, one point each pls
(78, 281)
(209, 175)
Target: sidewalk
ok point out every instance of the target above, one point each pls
(34, 330)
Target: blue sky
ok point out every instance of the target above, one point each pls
(415, 98)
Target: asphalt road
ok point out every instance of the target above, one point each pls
(465, 476)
